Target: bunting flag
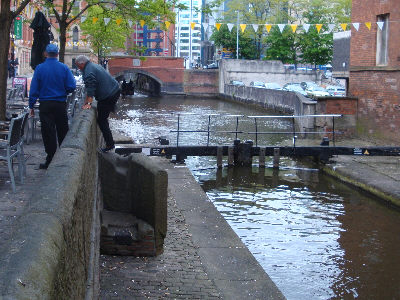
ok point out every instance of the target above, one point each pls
(130, 23)
(306, 27)
(205, 25)
(356, 26)
(368, 24)
(281, 27)
(118, 21)
(318, 26)
(83, 19)
(95, 20)
(230, 26)
(344, 26)
(212, 23)
(106, 21)
(331, 27)
(255, 27)
(217, 25)
(380, 25)
(268, 27)
(243, 27)
(294, 27)
(142, 22)
(192, 24)
(167, 24)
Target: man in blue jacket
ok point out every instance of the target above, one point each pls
(51, 83)
(101, 85)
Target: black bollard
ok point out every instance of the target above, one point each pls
(242, 155)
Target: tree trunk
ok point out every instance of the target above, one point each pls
(63, 40)
(5, 20)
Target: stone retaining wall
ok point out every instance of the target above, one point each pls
(51, 255)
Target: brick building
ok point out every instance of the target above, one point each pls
(375, 68)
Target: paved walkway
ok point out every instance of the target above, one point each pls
(12, 204)
(203, 257)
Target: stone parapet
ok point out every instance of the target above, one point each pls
(53, 247)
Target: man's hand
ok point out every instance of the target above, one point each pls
(88, 103)
(87, 106)
(32, 112)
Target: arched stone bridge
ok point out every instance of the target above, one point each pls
(154, 75)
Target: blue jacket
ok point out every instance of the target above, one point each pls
(52, 81)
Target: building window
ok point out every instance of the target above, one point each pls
(382, 41)
(184, 41)
(184, 47)
(184, 34)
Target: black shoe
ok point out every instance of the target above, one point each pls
(44, 166)
(107, 149)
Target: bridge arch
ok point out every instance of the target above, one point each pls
(165, 74)
(144, 82)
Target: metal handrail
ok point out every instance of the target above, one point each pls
(256, 132)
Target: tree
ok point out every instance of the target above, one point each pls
(6, 18)
(105, 37)
(227, 39)
(147, 10)
(282, 46)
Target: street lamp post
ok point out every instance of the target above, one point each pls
(237, 36)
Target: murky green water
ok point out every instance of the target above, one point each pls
(315, 237)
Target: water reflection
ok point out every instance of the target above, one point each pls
(315, 237)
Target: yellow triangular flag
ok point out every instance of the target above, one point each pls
(95, 20)
(344, 26)
(366, 152)
(218, 26)
(268, 26)
(294, 27)
(368, 24)
(167, 23)
(118, 21)
(142, 22)
(192, 24)
(318, 26)
(243, 27)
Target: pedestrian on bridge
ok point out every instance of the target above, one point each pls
(51, 83)
(101, 85)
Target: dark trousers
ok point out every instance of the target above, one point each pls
(104, 108)
(54, 125)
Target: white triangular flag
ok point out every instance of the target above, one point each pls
(281, 27)
(331, 27)
(306, 27)
(230, 26)
(255, 27)
(380, 25)
(356, 26)
(106, 20)
(83, 19)
(130, 23)
(212, 23)
(205, 25)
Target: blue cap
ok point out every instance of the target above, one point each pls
(52, 48)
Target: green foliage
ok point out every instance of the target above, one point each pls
(316, 48)
(105, 38)
(224, 38)
(282, 46)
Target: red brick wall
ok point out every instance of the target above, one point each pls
(166, 69)
(376, 87)
(201, 82)
(343, 106)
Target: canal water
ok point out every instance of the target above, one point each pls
(315, 237)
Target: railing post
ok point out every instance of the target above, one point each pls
(276, 158)
(261, 158)
(219, 157)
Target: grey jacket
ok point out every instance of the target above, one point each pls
(99, 83)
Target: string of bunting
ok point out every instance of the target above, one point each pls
(30, 10)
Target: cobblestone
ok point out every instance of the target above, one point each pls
(175, 274)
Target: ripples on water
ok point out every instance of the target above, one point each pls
(315, 237)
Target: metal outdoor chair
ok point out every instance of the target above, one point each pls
(11, 148)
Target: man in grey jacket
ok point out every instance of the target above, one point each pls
(101, 85)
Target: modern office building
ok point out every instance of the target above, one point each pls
(188, 39)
